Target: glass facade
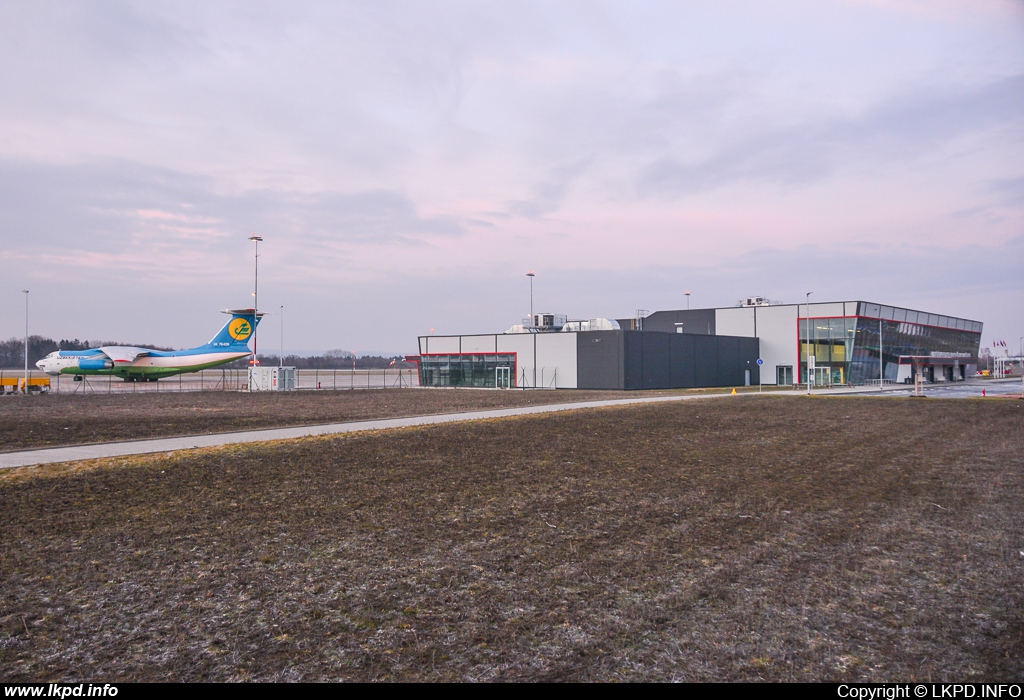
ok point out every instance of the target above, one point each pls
(846, 349)
(469, 369)
(831, 341)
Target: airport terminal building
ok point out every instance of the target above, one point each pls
(757, 341)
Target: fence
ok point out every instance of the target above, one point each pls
(229, 380)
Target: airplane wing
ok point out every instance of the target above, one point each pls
(124, 356)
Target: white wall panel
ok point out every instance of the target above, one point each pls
(821, 310)
(904, 373)
(478, 343)
(776, 329)
(735, 321)
(440, 343)
(522, 345)
(556, 360)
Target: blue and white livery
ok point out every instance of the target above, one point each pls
(142, 364)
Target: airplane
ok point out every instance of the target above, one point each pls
(142, 364)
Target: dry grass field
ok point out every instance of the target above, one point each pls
(69, 419)
(776, 538)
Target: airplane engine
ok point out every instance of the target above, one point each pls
(95, 364)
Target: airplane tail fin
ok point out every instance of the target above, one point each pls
(237, 331)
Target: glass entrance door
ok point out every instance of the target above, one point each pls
(822, 375)
(502, 377)
(784, 375)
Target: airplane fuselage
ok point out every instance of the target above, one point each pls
(156, 365)
(129, 363)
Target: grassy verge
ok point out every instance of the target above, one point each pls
(871, 540)
(53, 420)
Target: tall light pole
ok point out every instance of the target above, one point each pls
(1020, 361)
(531, 275)
(255, 295)
(282, 336)
(807, 327)
(25, 292)
(687, 293)
(881, 370)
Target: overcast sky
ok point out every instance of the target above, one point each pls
(408, 162)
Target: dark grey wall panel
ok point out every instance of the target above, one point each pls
(657, 360)
(697, 321)
(705, 360)
(599, 360)
(734, 356)
(648, 360)
(729, 371)
(681, 373)
(750, 349)
(633, 360)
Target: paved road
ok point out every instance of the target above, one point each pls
(972, 388)
(228, 380)
(119, 449)
(969, 389)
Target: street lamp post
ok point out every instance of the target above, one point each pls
(25, 291)
(531, 275)
(282, 336)
(687, 293)
(255, 297)
(1020, 361)
(881, 370)
(807, 325)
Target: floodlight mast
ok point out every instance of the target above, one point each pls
(881, 369)
(25, 292)
(255, 238)
(807, 327)
(531, 275)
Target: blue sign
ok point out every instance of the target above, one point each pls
(760, 362)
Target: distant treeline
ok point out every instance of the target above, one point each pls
(329, 362)
(12, 352)
(12, 355)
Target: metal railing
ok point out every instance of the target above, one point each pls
(228, 380)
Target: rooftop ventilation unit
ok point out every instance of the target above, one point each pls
(540, 323)
(757, 301)
(593, 324)
(548, 322)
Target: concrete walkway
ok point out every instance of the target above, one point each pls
(51, 455)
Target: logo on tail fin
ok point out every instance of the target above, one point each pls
(240, 329)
